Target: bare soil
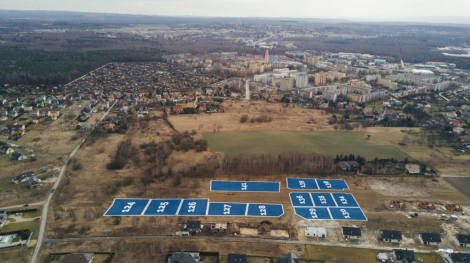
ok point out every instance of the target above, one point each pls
(398, 187)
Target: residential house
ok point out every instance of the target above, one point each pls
(74, 123)
(403, 256)
(46, 113)
(85, 126)
(201, 109)
(462, 240)
(33, 182)
(289, 258)
(84, 116)
(193, 226)
(457, 130)
(218, 228)
(7, 149)
(347, 165)
(315, 231)
(412, 168)
(16, 156)
(22, 177)
(3, 118)
(390, 236)
(351, 232)
(184, 257)
(28, 108)
(236, 258)
(178, 109)
(213, 109)
(12, 114)
(78, 258)
(109, 126)
(35, 114)
(433, 239)
(458, 257)
(54, 114)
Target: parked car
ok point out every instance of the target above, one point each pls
(25, 205)
(52, 191)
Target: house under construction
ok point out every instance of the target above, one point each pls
(427, 205)
(454, 208)
(397, 204)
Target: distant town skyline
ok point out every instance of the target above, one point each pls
(452, 11)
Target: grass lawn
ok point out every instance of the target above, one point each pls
(429, 258)
(5, 160)
(209, 259)
(332, 143)
(16, 227)
(341, 254)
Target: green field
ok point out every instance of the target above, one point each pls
(332, 143)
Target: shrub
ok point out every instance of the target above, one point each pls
(83, 230)
(244, 118)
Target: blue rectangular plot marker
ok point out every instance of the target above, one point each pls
(302, 184)
(163, 207)
(268, 210)
(345, 200)
(227, 209)
(313, 213)
(332, 184)
(193, 207)
(347, 213)
(301, 199)
(322, 199)
(243, 186)
(127, 207)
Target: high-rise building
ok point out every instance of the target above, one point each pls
(320, 78)
(287, 83)
(266, 57)
(301, 80)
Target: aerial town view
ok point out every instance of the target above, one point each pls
(223, 132)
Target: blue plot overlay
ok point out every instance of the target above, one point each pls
(240, 186)
(347, 213)
(227, 209)
(322, 199)
(193, 207)
(268, 210)
(302, 183)
(127, 207)
(313, 213)
(163, 207)
(345, 200)
(301, 199)
(332, 184)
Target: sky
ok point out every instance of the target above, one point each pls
(386, 10)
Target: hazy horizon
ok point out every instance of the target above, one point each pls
(428, 11)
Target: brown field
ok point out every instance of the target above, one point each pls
(82, 192)
(54, 139)
(284, 119)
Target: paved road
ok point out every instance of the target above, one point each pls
(21, 206)
(245, 239)
(42, 228)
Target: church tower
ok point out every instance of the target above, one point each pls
(266, 57)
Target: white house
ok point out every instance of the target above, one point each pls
(462, 240)
(458, 257)
(430, 238)
(390, 236)
(412, 168)
(315, 231)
